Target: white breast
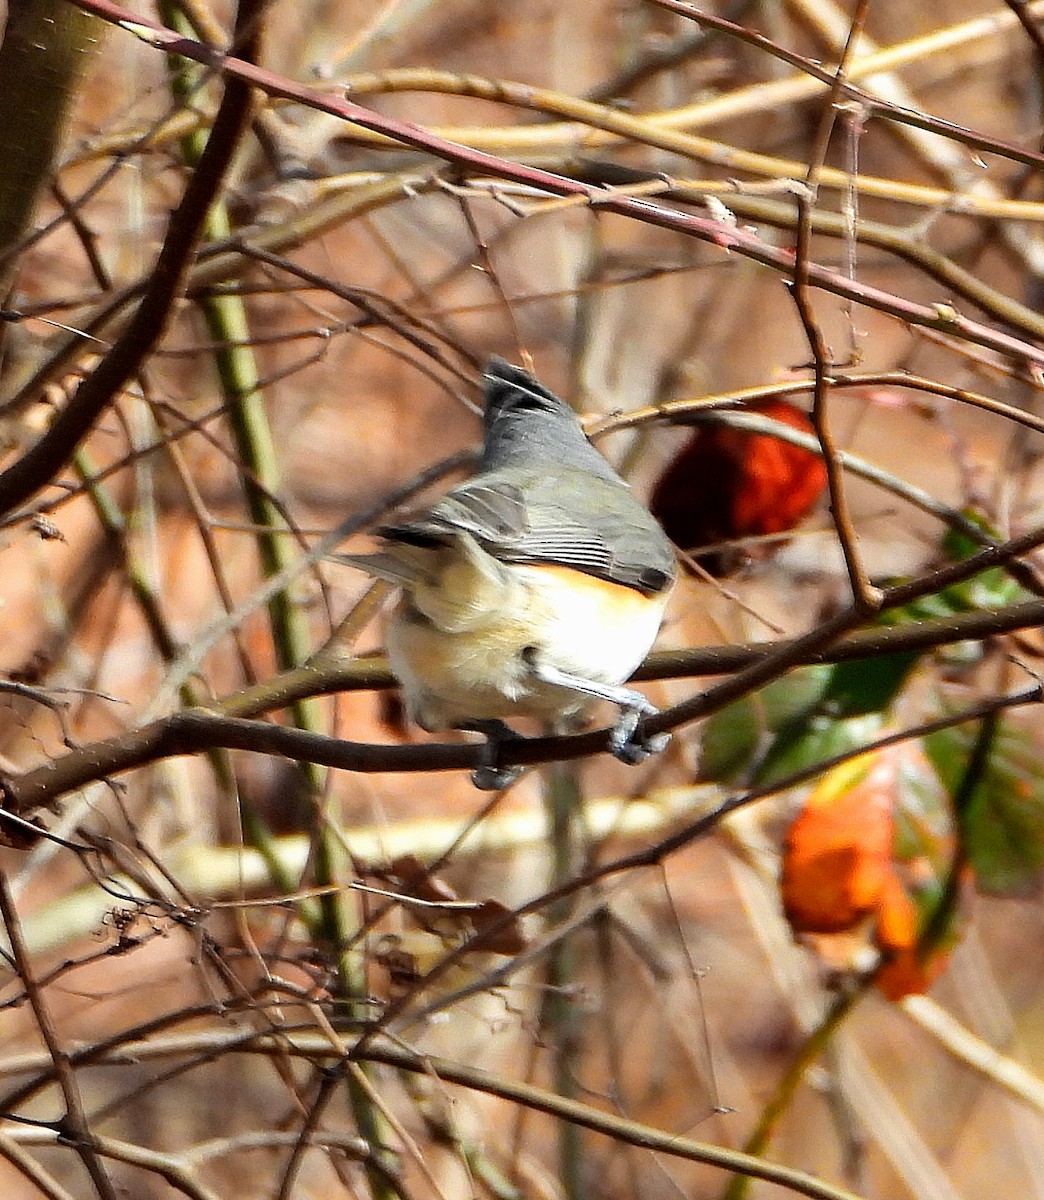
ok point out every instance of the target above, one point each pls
(590, 629)
(574, 622)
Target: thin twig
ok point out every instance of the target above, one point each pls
(73, 1127)
(726, 236)
(43, 460)
(865, 597)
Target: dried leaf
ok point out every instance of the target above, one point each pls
(729, 483)
(838, 854)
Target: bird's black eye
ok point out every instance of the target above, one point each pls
(652, 580)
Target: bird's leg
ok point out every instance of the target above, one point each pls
(489, 775)
(626, 741)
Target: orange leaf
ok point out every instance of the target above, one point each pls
(837, 859)
(904, 971)
(781, 482)
(841, 880)
(897, 918)
(909, 974)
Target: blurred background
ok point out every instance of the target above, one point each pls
(203, 938)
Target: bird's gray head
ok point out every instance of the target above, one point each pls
(527, 425)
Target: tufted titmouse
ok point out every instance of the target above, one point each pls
(530, 590)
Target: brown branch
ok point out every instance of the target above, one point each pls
(194, 730)
(880, 108)
(865, 597)
(821, 639)
(372, 674)
(618, 1128)
(868, 643)
(211, 1044)
(51, 452)
(730, 238)
(828, 115)
(656, 853)
(682, 411)
(73, 1127)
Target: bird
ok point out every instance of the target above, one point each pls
(532, 589)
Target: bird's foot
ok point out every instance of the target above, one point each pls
(490, 775)
(490, 778)
(627, 741)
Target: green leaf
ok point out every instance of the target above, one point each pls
(794, 722)
(818, 712)
(730, 741)
(1002, 824)
(737, 735)
(814, 740)
(867, 685)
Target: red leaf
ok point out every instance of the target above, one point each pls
(728, 483)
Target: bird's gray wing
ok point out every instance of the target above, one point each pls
(565, 518)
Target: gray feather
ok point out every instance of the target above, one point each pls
(543, 494)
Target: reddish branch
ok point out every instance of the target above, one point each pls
(53, 450)
(192, 731)
(730, 238)
(871, 104)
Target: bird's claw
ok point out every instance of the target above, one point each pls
(489, 775)
(628, 743)
(489, 778)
